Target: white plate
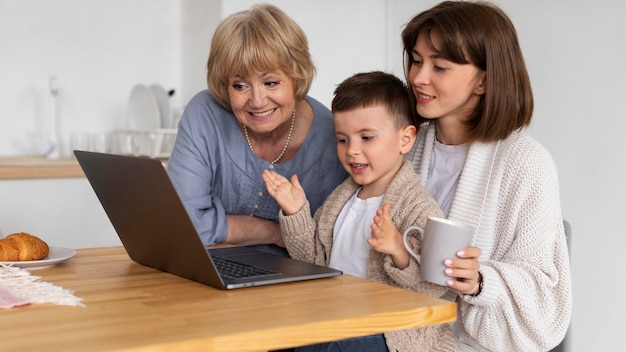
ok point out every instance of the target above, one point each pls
(57, 255)
(163, 100)
(143, 111)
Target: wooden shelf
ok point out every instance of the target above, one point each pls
(34, 167)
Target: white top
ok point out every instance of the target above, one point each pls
(352, 229)
(444, 171)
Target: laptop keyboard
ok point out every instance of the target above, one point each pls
(235, 270)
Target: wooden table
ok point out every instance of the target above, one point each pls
(133, 307)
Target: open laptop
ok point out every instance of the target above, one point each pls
(155, 229)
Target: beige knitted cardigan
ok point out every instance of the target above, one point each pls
(310, 239)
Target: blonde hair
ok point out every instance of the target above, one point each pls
(264, 39)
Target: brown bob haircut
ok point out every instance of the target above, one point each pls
(262, 38)
(480, 34)
(368, 89)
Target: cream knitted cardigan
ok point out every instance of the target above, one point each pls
(311, 239)
(509, 192)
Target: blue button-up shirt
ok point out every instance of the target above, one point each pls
(216, 173)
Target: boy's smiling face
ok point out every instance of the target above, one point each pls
(371, 147)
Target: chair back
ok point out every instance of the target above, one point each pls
(566, 344)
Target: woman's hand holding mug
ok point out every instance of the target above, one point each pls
(441, 240)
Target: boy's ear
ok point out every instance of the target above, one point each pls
(409, 133)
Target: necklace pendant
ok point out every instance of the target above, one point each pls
(271, 166)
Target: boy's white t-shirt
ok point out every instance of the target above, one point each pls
(352, 229)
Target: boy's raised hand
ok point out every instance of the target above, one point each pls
(387, 239)
(289, 195)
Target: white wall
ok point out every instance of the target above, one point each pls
(63, 212)
(575, 51)
(198, 22)
(98, 49)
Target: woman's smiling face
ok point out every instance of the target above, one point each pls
(443, 89)
(262, 101)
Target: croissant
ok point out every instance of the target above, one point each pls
(22, 247)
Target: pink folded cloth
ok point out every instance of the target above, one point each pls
(9, 300)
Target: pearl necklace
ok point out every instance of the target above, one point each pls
(293, 120)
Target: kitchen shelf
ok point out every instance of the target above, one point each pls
(36, 167)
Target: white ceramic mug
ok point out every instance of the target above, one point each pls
(441, 239)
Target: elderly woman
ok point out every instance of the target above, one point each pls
(256, 115)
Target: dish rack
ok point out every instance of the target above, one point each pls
(156, 143)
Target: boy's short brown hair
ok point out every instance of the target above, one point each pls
(368, 89)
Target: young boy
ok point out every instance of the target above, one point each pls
(357, 229)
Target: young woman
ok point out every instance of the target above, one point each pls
(473, 99)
